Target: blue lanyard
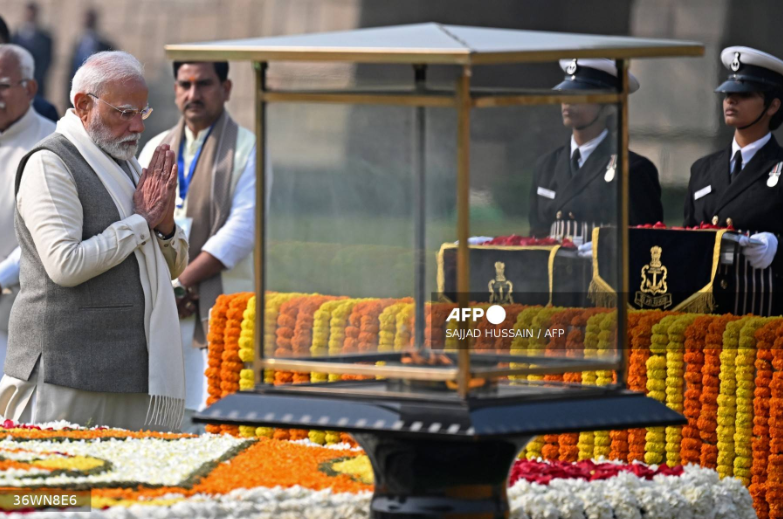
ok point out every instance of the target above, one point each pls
(184, 180)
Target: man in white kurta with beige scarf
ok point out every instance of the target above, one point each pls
(21, 127)
(217, 190)
(93, 336)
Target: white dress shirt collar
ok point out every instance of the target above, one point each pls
(20, 125)
(587, 148)
(749, 151)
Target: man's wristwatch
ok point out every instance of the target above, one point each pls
(179, 289)
(164, 236)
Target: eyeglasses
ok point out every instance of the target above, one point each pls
(4, 87)
(127, 115)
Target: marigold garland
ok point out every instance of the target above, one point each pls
(272, 304)
(765, 337)
(723, 372)
(321, 331)
(675, 383)
(387, 321)
(369, 335)
(619, 438)
(247, 348)
(286, 323)
(361, 334)
(215, 340)
(637, 376)
(695, 337)
(727, 399)
(337, 327)
(774, 485)
(519, 347)
(708, 418)
(503, 344)
(746, 385)
(536, 346)
(607, 339)
(232, 365)
(586, 442)
(559, 329)
(435, 325)
(302, 340)
(569, 442)
(485, 342)
(405, 324)
(655, 448)
(556, 347)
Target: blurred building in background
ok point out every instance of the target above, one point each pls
(675, 117)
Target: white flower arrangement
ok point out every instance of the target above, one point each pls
(151, 461)
(697, 494)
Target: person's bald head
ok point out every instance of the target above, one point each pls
(17, 86)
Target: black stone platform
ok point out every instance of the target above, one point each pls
(435, 455)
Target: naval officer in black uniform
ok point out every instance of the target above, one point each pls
(740, 185)
(574, 187)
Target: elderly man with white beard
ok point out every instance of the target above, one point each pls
(93, 335)
(21, 127)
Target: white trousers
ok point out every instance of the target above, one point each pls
(35, 401)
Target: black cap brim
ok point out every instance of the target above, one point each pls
(575, 84)
(732, 86)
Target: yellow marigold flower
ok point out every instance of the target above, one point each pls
(319, 377)
(332, 437)
(653, 458)
(726, 401)
(745, 452)
(603, 440)
(318, 437)
(247, 431)
(264, 432)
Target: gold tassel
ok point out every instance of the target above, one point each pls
(601, 294)
(702, 302)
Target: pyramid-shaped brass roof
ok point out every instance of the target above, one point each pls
(433, 43)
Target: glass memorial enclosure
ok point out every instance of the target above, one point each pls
(425, 161)
(443, 284)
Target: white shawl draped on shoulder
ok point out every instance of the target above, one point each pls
(166, 368)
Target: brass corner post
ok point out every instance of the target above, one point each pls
(419, 146)
(623, 222)
(463, 222)
(261, 210)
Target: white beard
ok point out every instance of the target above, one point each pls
(102, 138)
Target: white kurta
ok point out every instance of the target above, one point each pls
(232, 244)
(15, 142)
(49, 204)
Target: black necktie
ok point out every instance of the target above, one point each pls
(575, 161)
(736, 164)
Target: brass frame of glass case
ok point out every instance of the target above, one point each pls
(463, 99)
